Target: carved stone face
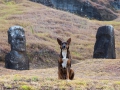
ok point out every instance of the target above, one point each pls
(105, 43)
(17, 58)
(102, 46)
(17, 39)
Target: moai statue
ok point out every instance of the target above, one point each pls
(105, 43)
(17, 58)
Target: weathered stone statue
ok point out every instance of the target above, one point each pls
(105, 43)
(17, 58)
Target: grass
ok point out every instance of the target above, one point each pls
(89, 74)
(8, 9)
(48, 26)
(42, 27)
(50, 84)
(26, 87)
(35, 79)
(115, 24)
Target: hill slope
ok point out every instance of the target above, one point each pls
(89, 75)
(43, 25)
(92, 9)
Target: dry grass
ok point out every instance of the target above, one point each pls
(54, 84)
(43, 25)
(89, 75)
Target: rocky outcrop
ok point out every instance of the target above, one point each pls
(45, 2)
(85, 8)
(116, 4)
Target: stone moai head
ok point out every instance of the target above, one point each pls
(16, 38)
(17, 58)
(105, 43)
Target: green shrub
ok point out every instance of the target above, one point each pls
(26, 87)
(35, 79)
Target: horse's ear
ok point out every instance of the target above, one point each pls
(69, 40)
(59, 41)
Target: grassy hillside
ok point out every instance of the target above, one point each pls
(89, 75)
(42, 26)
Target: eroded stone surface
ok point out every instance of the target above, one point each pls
(116, 4)
(105, 43)
(17, 57)
(84, 8)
